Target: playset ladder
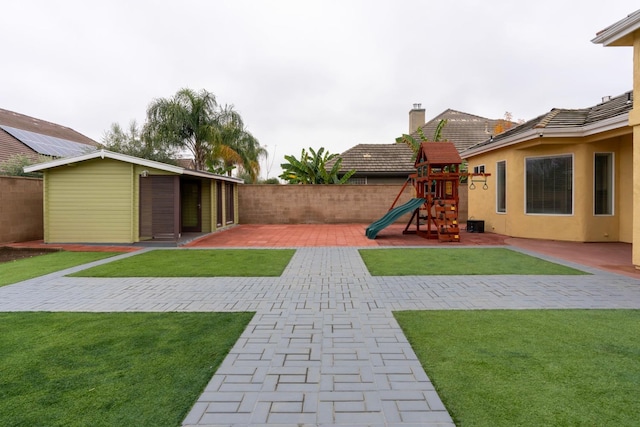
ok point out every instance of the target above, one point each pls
(446, 220)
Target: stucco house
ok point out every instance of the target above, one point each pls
(392, 163)
(564, 175)
(106, 197)
(34, 138)
(626, 32)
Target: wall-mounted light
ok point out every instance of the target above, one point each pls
(144, 173)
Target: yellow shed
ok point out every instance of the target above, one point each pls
(106, 197)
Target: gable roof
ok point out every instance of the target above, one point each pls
(620, 33)
(104, 154)
(463, 129)
(438, 153)
(608, 115)
(376, 159)
(21, 134)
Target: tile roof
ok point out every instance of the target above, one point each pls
(10, 145)
(567, 119)
(395, 159)
(439, 153)
(31, 124)
(462, 129)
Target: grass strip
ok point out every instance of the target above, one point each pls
(197, 263)
(457, 261)
(531, 367)
(28, 268)
(109, 369)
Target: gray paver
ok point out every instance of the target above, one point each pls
(323, 347)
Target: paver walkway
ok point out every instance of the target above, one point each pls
(323, 348)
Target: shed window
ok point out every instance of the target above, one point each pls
(549, 185)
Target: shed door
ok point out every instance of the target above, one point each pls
(158, 207)
(191, 205)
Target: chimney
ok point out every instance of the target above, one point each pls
(416, 118)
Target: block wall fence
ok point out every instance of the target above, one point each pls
(329, 204)
(21, 211)
(21, 216)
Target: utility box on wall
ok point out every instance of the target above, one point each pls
(475, 226)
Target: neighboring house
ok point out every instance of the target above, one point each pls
(626, 32)
(463, 129)
(34, 138)
(378, 163)
(106, 197)
(565, 175)
(392, 163)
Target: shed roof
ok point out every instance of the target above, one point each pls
(611, 114)
(104, 154)
(438, 153)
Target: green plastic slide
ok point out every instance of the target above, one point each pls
(391, 216)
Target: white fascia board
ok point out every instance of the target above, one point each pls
(129, 159)
(618, 30)
(104, 154)
(612, 123)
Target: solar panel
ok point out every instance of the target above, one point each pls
(48, 145)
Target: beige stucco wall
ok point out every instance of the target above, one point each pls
(20, 209)
(582, 225)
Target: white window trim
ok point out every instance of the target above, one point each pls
(573, 183)
(613, 183)
(505, 188)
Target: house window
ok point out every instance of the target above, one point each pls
(478, 169)
(357, 181)
(549, 185)
(603, 184)
(501, 187)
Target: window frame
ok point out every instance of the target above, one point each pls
(504, 187)
(573, 177)
(612, 181)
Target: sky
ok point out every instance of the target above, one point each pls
(307, 73)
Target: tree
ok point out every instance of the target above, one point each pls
(234, 146)
(503, 124)
(311, 168)
(188, 121)
(14, 165)
(215, 135)
(134, 143)
(414, 144)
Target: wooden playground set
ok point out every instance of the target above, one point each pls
(436, 200)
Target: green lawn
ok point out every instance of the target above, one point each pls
(456, 261)
(109, 369)
(531, 367)
(28, 268)
(197, 263)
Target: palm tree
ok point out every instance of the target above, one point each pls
(188, 121)
(235, 146)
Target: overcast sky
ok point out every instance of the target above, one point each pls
(302, 73)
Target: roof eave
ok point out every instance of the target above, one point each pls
(612, 123)
(129, 159)
(618, 33)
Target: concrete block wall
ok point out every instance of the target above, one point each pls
(322, 204)
(21, 217)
